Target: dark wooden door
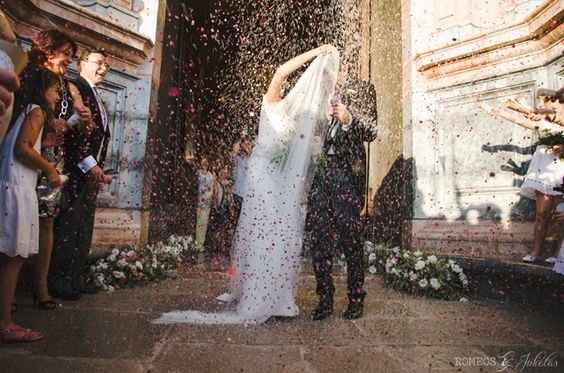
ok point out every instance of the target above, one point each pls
(173, 178)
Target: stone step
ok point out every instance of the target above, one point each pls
(514, 281)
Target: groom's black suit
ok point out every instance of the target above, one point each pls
(335, 203)
(74, 226)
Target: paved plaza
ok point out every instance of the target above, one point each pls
(111, 332)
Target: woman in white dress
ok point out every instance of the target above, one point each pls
(268, 240)
(546, 170)
(20, 161)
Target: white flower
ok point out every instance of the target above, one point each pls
(413, 276)
(396, 250)
(418, 253)
(423, 283)
(372, 257)
(456, 268)
(406, 254)
(451, 262)
(131, 254)
(369, 247)
(110, 288)
(463, 300)
(432, 259)
(118, 274)
(394, 261)
(419, 265)
(394, 272)
(372, 269)
(121, 263)
(103, 265)
(112, 258)
(139, 265)
(115, 252)
(435, 284)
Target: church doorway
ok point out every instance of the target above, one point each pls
(218, 57)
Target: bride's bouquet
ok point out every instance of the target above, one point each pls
(280, 156)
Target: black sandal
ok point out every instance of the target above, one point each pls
(14, 307)
(47, 305)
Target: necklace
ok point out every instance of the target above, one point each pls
(64, 99)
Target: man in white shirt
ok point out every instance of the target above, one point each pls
(84, 160)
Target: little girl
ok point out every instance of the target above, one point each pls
(20, 161)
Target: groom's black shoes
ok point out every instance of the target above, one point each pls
(323, 310)
(321, 313)
(355, 309)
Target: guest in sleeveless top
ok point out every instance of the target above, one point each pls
(546, 170)
(20, 159)
(51, 51)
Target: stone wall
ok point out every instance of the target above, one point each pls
(127, 29)
(458, 56)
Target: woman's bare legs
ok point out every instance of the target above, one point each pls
(43, 259)
(9, 272)
(545, 209)
(9, 331)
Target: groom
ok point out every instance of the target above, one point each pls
(84, 159)
(336, 201)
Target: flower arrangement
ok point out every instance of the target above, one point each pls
(131, 265)
(418, 273)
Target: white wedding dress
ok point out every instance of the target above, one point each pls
(268, 240)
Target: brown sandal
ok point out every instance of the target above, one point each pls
(17, 334)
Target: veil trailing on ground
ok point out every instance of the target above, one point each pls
(268, 240)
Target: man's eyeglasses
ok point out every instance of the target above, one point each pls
(99, 63)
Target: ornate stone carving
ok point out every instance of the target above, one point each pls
(88, 28)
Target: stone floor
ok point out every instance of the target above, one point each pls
(399, 333)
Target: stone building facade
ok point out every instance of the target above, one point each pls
(457, 56)
(432, 62)
(433, 184)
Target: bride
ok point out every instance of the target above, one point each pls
(268, 240)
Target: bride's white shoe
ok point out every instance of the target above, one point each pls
(226, 298)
